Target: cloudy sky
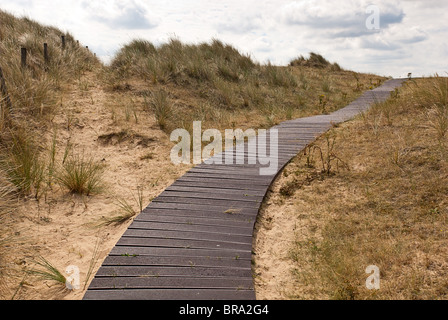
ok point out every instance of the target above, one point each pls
(408, 36)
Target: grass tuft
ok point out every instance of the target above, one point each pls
(47, 271)
(81, 175)
(161, 105)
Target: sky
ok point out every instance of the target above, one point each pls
(384, 37)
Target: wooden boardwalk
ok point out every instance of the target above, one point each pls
(194, 242)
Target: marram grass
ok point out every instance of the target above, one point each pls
(81, 175)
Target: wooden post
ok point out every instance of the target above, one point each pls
(46, 58)
(23, 52)
(4, 91)
(63, 42)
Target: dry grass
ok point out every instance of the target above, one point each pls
(35, 90)
(390, 209)
(20, 160)
(7, 205)
(315, 60)
(81, 175)
(161, 106)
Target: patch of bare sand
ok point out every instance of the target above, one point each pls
(58, 227)
(274, 236)
(285, 224)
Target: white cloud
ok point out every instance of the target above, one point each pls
(121, 14)
(339, 18)
(239, 24)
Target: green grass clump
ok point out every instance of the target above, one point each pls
(125, 211)
(81, 175)
(160, 104)
(315, 61)
(22, 164)
(7, 206)
(433, 97)
(48, 271)
(213, 68)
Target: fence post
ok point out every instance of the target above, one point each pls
(63, 42)
(46, 53)
(23, 56)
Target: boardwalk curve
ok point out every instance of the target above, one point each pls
(194, 241)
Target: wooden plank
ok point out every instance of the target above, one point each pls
(229, 176)
(181, 243)
(250, 193)
(179, 252)
(199, 214)
(194, 220)
(171, 283)
(229, 167)
(170, 294)
(212, 202)
(221, 180)
(228, 204)
(234, 171)
(187, 235)
(220, 184)
(211, 195)
(176, 262)
(194, 228)
(214, 211)
(300, 126)
(153, 271)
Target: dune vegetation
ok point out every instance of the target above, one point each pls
(215, 83)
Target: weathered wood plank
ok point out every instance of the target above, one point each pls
(211, 202)
(206, 221)
(220, 181)
(154, 271)
(188, 235)
(213, 195)
(206, 214)
(179, 252)
(171, 283)
(176, 261)
(225, 212)
(243, 187)
(194, 228)
(215, 210)
(261, 180)
(251, 193)
(184, 243)
(170, 294)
